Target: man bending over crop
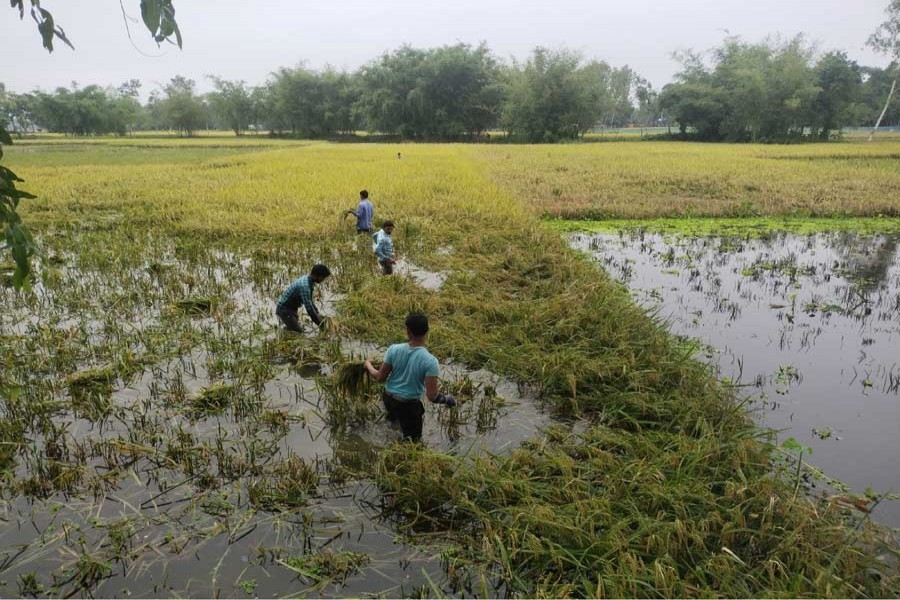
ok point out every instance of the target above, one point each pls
(383, 246)
(301, 292)
(410, 371)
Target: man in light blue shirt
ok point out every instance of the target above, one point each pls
(363, 213)
(410, 370)
(383, 246)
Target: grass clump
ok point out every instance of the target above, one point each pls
(289, 485)
(605, 513)
(197, 306)
(213, 400)
(327, 566)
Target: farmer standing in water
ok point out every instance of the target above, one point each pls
(410, 370)
(383, 246)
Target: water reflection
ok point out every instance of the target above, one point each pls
(810, 324)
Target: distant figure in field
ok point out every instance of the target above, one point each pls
(383, 246)
(363, 213)
(301, 292)
(398, 156)
(410, 370)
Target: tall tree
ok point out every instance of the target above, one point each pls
(232, 104)
(886, 40)
(840, 83)
(555, 95)
(183, 110)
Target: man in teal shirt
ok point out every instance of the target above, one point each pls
(410, 371)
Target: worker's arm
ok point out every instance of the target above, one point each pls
(309, 305)
(431, 388)
(379, 374)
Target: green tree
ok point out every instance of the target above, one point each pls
(182, 109)
(554, 96)
(840, 85)
(232, 104)
(446, 93)
(761, 91)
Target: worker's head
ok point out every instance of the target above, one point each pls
(364, 195)
(319, 273)
(416, 325)
(388, 227)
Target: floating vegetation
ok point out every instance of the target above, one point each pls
(214, 399)
(327, 566)
(289, 485)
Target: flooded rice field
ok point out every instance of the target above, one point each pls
(160, 436)
(808, 327)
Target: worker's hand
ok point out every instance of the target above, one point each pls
(447, 399)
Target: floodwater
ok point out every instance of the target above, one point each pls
(808, 325)
(143, 490)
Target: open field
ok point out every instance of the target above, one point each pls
(157, 428)
(672, 179)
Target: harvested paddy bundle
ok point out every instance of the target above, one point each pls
(330, 327)
(350, 378)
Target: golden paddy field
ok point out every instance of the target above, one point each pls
(652, 482)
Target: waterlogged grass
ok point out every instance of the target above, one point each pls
(670, 179)
(663, 486)
(751, 227)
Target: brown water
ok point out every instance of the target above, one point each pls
(808, 325)
(134, 491)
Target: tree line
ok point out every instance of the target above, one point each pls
(740, 91)
(772, 91)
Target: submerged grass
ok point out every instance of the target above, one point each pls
(665, 490)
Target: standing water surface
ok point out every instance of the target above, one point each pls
(809, 326)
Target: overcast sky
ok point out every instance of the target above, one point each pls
(247, 39)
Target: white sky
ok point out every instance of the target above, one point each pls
(248, 39)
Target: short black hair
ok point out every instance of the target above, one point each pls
(388, 223)
(364, 194)
(320, 270)
(417, 323)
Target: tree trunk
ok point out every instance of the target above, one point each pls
(883, 112)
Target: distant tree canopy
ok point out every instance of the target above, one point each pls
(770, 91)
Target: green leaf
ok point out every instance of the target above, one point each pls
(5, 138)
(151, 13)
(45, 27)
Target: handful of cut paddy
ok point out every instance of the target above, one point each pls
(350, 378)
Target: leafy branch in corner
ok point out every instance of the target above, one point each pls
(159, 19)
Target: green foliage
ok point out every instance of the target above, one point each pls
(555, 96)
(761, 91)
(16, 238)
(183, 110)
(87, 111)
(233, 104)
(446, 92)
(308, 103)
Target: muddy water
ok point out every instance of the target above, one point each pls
(810, 325)
(136, 520)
